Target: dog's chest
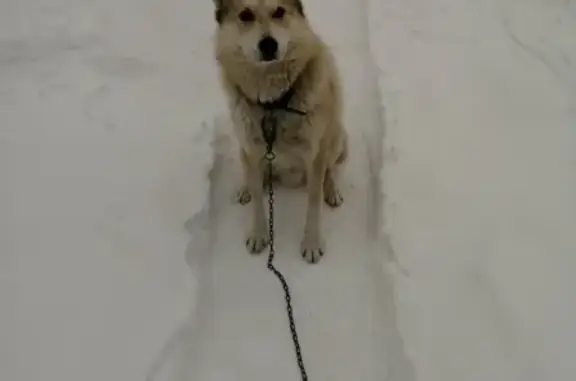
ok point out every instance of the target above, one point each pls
(290, 133)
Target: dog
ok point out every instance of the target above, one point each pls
(272, 62)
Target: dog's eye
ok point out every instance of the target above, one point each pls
(279, 13)
(246, 15)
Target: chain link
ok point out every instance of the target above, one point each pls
(269, 132)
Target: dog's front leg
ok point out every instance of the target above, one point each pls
(258, 236)
(312, 246)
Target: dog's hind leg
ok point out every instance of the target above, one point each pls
(332, 195)
(243, 195)
(312, 246)
(257, 239)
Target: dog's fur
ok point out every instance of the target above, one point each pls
(310, 149)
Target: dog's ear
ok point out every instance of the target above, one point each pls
(221, 10)
(299, 7)
(220, 3)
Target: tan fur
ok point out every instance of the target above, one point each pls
(309, 149)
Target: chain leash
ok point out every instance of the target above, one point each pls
(269, 125)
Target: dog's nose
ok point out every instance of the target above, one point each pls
(268, 48)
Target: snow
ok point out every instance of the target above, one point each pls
(480, 186)
(104, 152)
(122, 252)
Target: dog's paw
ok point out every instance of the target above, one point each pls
(333, 198)
(257, 242)
(243, 196)
(312, 249)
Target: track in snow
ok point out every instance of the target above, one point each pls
(343, 306)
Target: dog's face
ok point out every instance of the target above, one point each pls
(261, 32)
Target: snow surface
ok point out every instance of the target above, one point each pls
(122, 255)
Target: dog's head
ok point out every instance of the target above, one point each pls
(262, 32)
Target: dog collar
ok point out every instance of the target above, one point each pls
(269, 120)
(281, 103)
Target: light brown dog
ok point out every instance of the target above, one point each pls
(271, 60)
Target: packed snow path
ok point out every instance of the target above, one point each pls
(241, 330)
(113, 135)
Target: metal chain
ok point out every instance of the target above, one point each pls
(269, 132)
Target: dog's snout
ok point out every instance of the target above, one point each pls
(268, 47)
